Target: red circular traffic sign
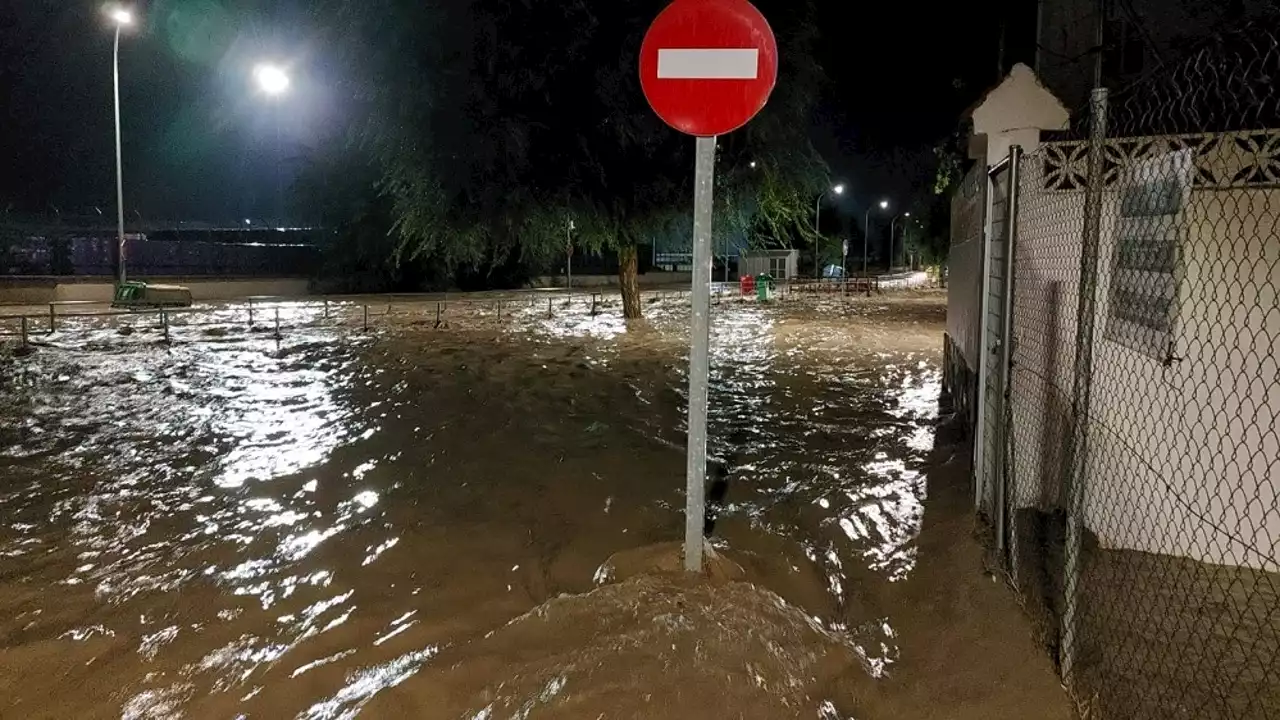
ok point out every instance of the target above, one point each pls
(708, 66)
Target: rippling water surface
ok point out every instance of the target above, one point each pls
(234, 525)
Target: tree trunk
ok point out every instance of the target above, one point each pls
(628, 282)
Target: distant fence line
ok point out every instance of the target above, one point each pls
(262, 314)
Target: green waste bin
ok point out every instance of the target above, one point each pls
(764, 287)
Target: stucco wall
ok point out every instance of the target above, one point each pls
(1184, 456)
(964, 264)
(1015, 112)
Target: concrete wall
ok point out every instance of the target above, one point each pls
(46, 290)
(1068, 32)
(1184, 456)
(1015, 112)
(964, 265)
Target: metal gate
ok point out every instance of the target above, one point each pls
(990, 480)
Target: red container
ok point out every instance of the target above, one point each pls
(747, 284)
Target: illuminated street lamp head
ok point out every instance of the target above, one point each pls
(884, 204)
(271, 79)
(120, 15)
(838, 189)
(907, 214)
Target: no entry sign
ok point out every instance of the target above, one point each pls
(708, 66)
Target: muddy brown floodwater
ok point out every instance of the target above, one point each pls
(478, 522)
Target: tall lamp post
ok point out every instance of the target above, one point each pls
(866, 233)
(838, 189)
(274, 81)
(122, 18)
(892, 228)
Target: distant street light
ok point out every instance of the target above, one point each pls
(122, 18)
(866, 233)
(838, 189)
(892, 227)
(271, 79)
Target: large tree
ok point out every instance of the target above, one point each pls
(495, 122)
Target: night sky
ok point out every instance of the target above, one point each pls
(200, 143)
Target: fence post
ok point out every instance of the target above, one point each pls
(250, 314)
(499, 309)
(437, 315)
(1003, 422)
(550, 314)
(24, 344)
(366, 317)
(164, 323)
(277, 335)
(1081, 386)
(593, 303)
(326, 308)
(53, 322)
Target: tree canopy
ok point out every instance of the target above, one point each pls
(491, 123)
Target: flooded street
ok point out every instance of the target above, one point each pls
(464, 521)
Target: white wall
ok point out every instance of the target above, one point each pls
(1015, 112)
(1184, 458)
(964, 265)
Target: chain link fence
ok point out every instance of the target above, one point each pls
(1127, 455)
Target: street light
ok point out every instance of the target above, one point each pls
(838, 189)
(866, 231)
(271, 79)
(122, 19)
(892, 227)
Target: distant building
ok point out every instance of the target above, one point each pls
(1133, 36)
(781, 264)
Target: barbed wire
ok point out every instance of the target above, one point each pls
(1131, 455)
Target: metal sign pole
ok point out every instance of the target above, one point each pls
(699, 353)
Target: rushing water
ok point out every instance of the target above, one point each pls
(234, 525)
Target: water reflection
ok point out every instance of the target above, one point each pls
(291, 529)
(363, 685)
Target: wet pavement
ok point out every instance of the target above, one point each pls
(413, 520)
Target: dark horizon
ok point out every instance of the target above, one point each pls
(201, 144)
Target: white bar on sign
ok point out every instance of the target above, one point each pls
(708, 64)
